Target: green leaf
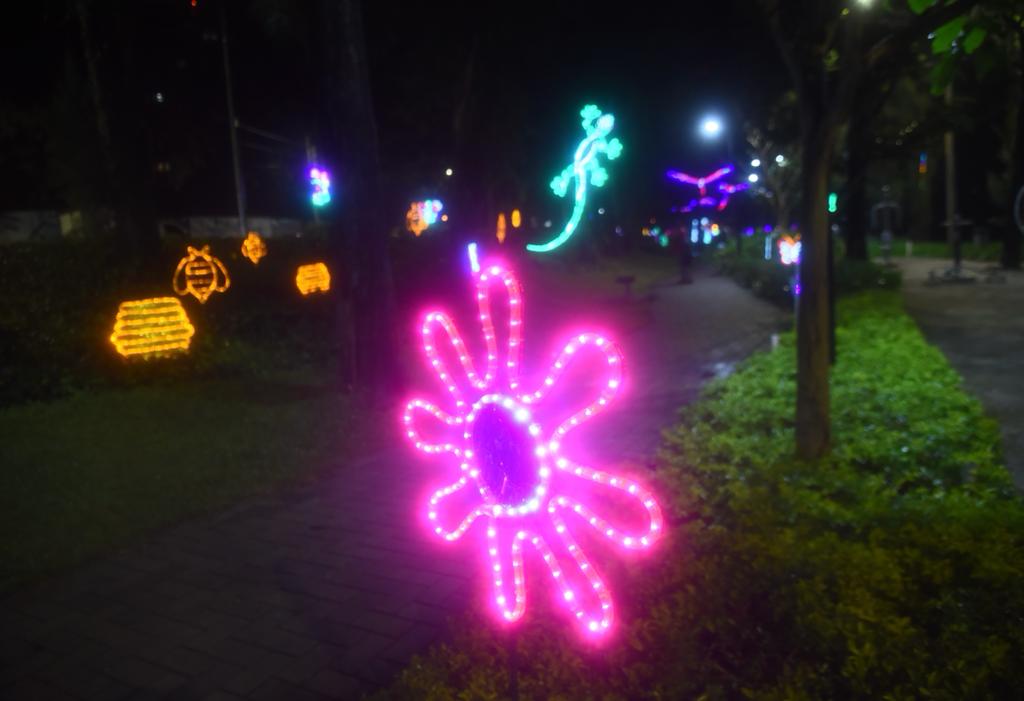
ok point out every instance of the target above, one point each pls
(946, 34)
(974, 39)
(919, 6)
(942, 73)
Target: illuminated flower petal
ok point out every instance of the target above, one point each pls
(502, 358)
(505, 562)
(609, 388)
(451, 510)
(444, 433)
(624, 490)
(579, 585)
(465, 378)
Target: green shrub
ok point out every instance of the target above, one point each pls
(891, 571)
(58, 302)
(773, 281)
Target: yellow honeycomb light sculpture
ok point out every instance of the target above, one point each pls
(151, 327)
(253, 247)
(200, 275)
(314, 277)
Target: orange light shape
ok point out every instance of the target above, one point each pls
(501, 228)
(517, 219)
(202, 275)
(151, 327)
(253, 247)
(314, 277)
(413, 221)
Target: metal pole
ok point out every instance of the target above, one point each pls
(949, 141)
(232, 123)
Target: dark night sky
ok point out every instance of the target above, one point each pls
(657, 66)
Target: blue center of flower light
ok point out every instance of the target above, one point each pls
(505, 456)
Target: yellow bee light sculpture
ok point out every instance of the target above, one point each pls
(253, 247)
(150, 327)
(314, 277)
(200, 275)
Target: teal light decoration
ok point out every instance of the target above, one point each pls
(833, 203)
(585, 169)
(320, 179)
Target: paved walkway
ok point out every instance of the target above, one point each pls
(324, 591)
(980, 328)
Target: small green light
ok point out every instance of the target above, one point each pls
(833, 203)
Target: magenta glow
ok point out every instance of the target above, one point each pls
(505, 444)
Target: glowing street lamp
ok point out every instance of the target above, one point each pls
(711, 127)
(780, 159)
(448, 172)
(756, 163)
(753, 177)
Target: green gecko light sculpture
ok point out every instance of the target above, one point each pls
(586, 170)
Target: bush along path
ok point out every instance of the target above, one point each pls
(892, 570)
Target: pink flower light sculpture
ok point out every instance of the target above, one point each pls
(507, 443)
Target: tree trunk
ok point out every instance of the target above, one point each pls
(114, 190)
(99, 111)
(858, 140)
(813, 425)
(782, 211)
(1012, 234)
(364, 248)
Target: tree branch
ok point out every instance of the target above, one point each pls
(770, 8)
(917, 28)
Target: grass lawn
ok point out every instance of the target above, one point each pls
(985, 252)
(100, 469)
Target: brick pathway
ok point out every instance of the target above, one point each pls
(324, 591)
